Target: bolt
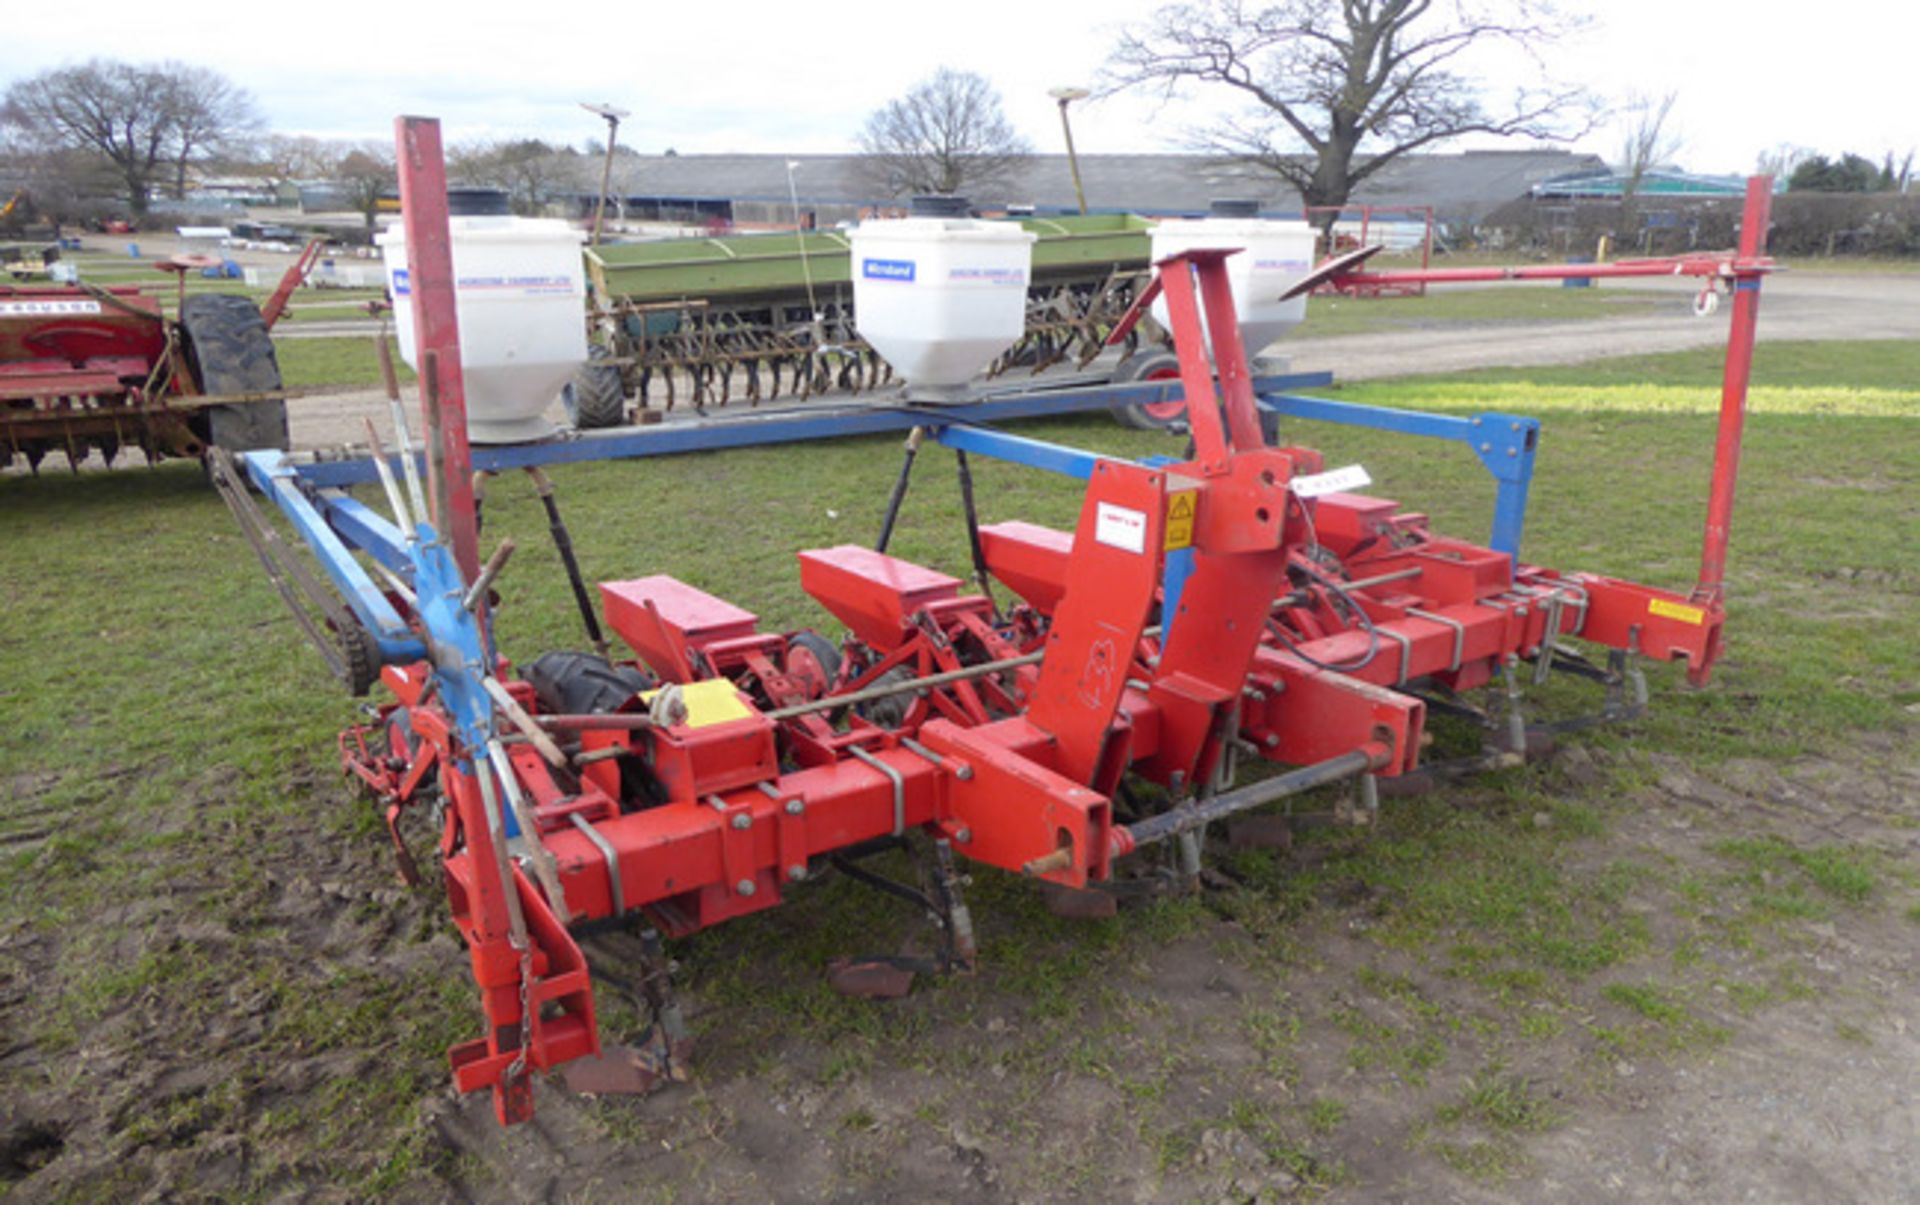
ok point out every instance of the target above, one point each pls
(744, 887)
(964, 773)
(964, 836)
(1486, 447)
(796, 808)
(1270, 739)
(1513, 451)
(796, 872)
(742, 820)
(1516, 426)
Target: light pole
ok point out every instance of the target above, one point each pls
(613, 117)
(1067, 96)
(800, 237)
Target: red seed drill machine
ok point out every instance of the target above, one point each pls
(1240, 600)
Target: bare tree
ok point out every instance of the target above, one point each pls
(946, 135)
(282, 159)
(147, 121)
(207, 115)
(1648, 142)
(528, 169)
(54, 183)
(1355, 83)
(365, 172)
(1780, 161)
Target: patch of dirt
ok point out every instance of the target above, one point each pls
(230, 1023)
(202, 1008)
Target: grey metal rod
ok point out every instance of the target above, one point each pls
(974, 546)
(1365, 583)
(901, 688)
(563, 543)
(613, 721)
(899, 494)
(1293, 782)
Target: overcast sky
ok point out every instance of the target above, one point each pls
(795, 77)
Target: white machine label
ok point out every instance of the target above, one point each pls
(1006, 278)
(1120, 527)
(516, 284)
(1333, 481)
(901, 270)
(34, 309)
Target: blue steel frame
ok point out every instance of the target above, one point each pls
(1504, 443)
(334, 524)
(811, 421)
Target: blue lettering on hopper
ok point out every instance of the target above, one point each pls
(887, 269)
(402, 282)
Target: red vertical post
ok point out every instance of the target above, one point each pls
(1229, 353)
(1747, 271)
(436, 326)
(1190, 345)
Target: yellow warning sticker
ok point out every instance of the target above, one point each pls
(1180, 521)
(1674, 610)
(712, 701)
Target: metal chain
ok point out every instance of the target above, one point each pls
(519, 1064)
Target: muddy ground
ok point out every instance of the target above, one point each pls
(1257, 1042)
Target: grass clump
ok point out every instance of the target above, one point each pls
(1836, 870)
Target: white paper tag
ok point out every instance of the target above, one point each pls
(1333, 481)
(35, 309)
(1120, 527)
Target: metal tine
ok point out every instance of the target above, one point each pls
(489, 571)
(517, 715)
(401, 515)
(408, 468)
(497, 835)
(544, 867)
(400, 432)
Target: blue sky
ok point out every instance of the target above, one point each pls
(785, 77)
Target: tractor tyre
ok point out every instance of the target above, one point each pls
(583, 684)
(229, 351)
(596, 397)
(1150, 364)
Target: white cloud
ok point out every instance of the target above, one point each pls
(779, 77)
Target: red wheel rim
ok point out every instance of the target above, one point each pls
(1163, 412)
(805, 668)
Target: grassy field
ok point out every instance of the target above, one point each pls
(219, 964)
(1329, 316)
(346, 362)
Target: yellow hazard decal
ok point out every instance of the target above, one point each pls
(711, 701)
(1674, 610)
(1180, 520)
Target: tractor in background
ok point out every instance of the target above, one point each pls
(87, 369)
